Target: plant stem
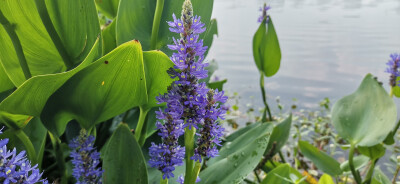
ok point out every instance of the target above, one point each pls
(391, 92)
(257, 177)
(196, 171)
(266, 110)
(143, 136)
(368, 177)
(163, 181)
(395, 174)
(189, 148)
(56, 142)
(156, 24)
(44, 15)
(10, 29)
(282, 157)
(142, 120)
(351, 164)
(28, 145)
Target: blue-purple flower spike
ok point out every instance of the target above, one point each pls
(85, 159)
(393, 68)
(16, 168)
(264, 15)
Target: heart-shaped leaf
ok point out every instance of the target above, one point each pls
(322, 160)
(233, 168)
(367, 116)
(123, 161)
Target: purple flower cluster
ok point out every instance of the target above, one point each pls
(16, 168)
(264, 15)
(187, 103)
(85, 159)
(393, 68)
(181, 179)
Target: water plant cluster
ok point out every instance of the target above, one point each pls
(120, 92)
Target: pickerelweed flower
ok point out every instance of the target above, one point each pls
(16, 168)
(393, 68)
(211, 131)
(186, 97)
(85, 159)
(264, 15)
(181, 179)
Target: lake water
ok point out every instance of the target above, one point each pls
(328, 46)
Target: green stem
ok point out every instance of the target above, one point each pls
(355, 173)
(257, 177)
(143, 136)
(10, 29)
(163, 181)
(196, 171)
(368, 177)
(156, 24)
(59, 157)
(395, 175)
(282, 157)
(28, 145)
(44, 15)
(139, 131)
(189, 148)
(391, 92)
(266, 110)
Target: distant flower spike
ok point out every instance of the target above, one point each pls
(264, 15)
(85, 159)
(393, 68)
(16, 168)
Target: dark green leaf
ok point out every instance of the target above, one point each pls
(109, 40)
(217, 84)
(322, 160)
(123, 161)
(108, 7)
(367, 116)
(373, 152)
(279, 136)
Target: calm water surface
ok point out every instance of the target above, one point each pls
(328, 46)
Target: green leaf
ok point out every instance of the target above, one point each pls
(326, 179)
(234, 167)
(77, 25)
(108, 87)
(31, 97)
(109, 40)
(211, 30)
(5, 82)
(240, 132)
(322, 160)
(359, 162)
(37, 134)
(135, 20)
(276, 176)
(266, 49)
(367, 116)
(108, 7)
(279, 136)
(217, 84)
(246, 138)
(380, 178)
(123, 161)
(373, 152)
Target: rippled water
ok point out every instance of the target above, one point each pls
(328, 46)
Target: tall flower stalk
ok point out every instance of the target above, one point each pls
(16, 168)
(85, 159)
(190, 105)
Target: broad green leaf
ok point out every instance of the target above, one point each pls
(135, 21)
(247, 138)
(41, 55)
(208, 36)
(109, 42)
(217, 84)
(240, 132)
(367, 116)
(373, 152)
(279, 136)
(31, 97)
(326, 179)
(123, 161)
(156, 64)
(266, 49)
(5, 82)
(234, 167)
(277, 175)
(108, 87)
(77, 24)
(359, 162)
(380, 178)
(322, 160)
(108, 7)
(37, 134)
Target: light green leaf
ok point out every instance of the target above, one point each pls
(235, 166)
(359, 162)
(326, 179)
(108, 7)
(322, 160)
(276, 176)
(367, 116)
(380, 178)
(109, 40)
(240, 132)
(5, 82)
(373, 152)
(123, 161)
